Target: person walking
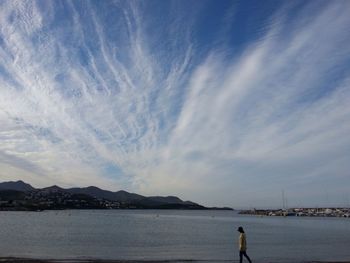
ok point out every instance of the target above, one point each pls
(242, 241)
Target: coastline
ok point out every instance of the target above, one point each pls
(77, 260)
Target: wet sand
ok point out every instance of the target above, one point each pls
(29, 260)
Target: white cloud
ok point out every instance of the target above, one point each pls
(220, 132)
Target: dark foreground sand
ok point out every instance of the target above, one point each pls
(23, 260)
(28, 260)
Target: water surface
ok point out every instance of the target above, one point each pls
(170, 235)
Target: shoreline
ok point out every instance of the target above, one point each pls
(83, 260)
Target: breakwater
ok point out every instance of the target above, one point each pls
(312, 212)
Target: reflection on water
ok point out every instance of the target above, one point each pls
(170, 235)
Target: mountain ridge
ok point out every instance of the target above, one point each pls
(93, 195)
(16, 185)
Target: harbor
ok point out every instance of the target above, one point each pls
(311, 212)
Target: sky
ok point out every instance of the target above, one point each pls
(224, 103)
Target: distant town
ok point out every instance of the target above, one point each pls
(319, 212)
(20, 196)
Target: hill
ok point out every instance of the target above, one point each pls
(18, 186)
(22, 196)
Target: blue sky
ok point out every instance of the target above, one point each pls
(219, 102)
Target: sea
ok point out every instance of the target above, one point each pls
(171, 235)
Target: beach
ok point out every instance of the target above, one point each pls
(30, 260)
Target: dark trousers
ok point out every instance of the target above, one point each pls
(243, 253)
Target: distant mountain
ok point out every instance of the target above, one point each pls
(134, 199)
(7, 195)
(121, 196)
(53, 189)
(18, 186)
(55, 197)
(166, 200)
(165, 203)
(124, 196)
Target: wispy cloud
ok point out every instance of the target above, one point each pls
(113, 95)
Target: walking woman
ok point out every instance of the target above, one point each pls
(242, 245)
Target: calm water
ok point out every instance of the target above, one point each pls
(170, 235)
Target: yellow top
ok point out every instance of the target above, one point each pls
(242, 242)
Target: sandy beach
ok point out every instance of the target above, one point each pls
(21, 260)
(30, 260)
